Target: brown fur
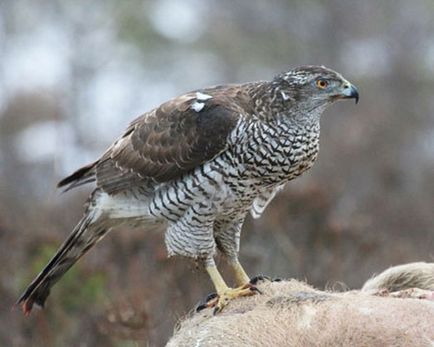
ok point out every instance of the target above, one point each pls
(291, 313)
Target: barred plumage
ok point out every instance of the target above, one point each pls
(198, 164)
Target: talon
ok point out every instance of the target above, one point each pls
(276, 279)
(220, 301)
(210, 301)
(201, 307)
(258, 278)
(255, 289)
(210, 296)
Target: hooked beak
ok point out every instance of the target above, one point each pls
(350, 92)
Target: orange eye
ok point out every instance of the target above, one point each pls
(321, 83)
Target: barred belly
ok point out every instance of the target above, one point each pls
(193, 203)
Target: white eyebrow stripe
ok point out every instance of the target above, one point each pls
(202, 97)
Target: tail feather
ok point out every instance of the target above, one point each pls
(86, 233)
(84, 175)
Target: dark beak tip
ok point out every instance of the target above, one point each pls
(354, 94)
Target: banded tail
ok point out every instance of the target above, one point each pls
(84, 236)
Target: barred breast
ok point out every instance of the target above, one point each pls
(262, 159)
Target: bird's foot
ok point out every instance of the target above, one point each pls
(261, 278)
(218, 302)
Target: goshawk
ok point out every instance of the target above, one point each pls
(198, 164)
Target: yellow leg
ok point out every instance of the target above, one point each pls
(217, 279)
(224, 293)
(241, 278)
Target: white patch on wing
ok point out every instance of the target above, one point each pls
(197, 106)
(202, 97)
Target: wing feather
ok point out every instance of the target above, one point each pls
(167, 143)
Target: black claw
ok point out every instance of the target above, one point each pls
(258, 278)
(255, 289)
(210, 296)
(215, 311)
(201, 307)
(277, 279)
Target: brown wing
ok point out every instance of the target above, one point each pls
(168, 142)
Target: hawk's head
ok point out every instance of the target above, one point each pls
(314, 86)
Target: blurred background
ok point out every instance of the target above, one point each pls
(74, 73)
